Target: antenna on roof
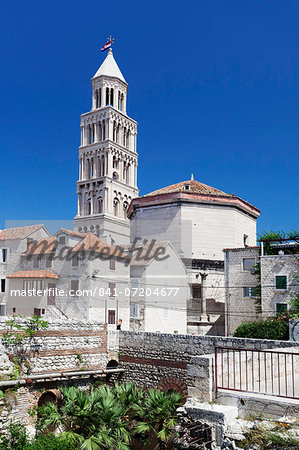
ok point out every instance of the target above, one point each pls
(192, 176)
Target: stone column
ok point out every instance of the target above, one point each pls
(103, 96)
(96, 132)
(125, 104)
(204, 317)
(80, 168)
(94, 99)
(91, 202)
(110, 130)
(82, 135)
(106, 129)
(79, 203)
(135, 174)
(115, 99)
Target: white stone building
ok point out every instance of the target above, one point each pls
(159, 289)
(107, 158)
(278, 282)
(240, 286)
(13, 241)
(199, 221)
(77, 276)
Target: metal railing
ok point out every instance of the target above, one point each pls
(268, 372)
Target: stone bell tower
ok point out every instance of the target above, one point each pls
(107, 158)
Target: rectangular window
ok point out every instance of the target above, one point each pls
(165, 313)
(111, 316)
(2, 310)
(248, 264)
(61, 239)
(281, 282)
(249, 291)
(74, 287)
(35, 262)
(281, 308)
(37, 285)
(134, 310)
(4, 255)
(75, 260)
(112, 287)
(48, 261)
(196, 291)
(2, 287)
(112, 264)
(37, 312)
(26, 285)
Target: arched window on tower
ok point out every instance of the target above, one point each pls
(127, 139)
(107, 96)
(120, 101)
(114, 131)
(111, 96)
(100, 205)
(103, 131)
(128, 173)
(115, 176)
(115, 162)
(88, 207)
(90, 174)
(103, 166)
(124, 136)
(99, 98)
(116, 207)
(125, 207)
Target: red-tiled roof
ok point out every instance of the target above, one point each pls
(42, 247)
(18, 232)
(195, 193)
(71, 232)
(34, 274)
(189, 186)
(94, 243)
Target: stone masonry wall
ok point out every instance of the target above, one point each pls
(180, 362)
(66, 345)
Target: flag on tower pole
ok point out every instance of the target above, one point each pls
(106, 46)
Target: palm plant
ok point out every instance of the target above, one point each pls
(118, 418)
(157, 416)
(94, 420)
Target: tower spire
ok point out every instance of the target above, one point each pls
(108, 159)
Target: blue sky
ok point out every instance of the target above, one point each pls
(213, 86)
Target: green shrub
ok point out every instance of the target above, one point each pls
(52, 442)
(276, 328)
(17, 439)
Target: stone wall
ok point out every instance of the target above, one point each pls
(180, 362)
(272, 265)
(239, 308)
(65, 345)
